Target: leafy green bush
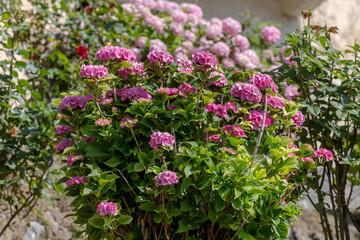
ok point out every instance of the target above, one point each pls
(26, 124)
(171, 151)
(329, 89)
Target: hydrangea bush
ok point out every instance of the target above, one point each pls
(172, 150)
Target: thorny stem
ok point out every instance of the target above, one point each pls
(260, 134)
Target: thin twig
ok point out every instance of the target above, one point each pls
(261, 133)
(132, 190)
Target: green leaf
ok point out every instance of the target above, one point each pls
(138, 167)
(188, 170)
(114, 161)
(245, 236)
(336, 105)
(148, 206)
(186, 205)
(124, 219)
(84, 214)
(5, 16)
(184, 225)
(185, 184)
(203, 181)
(236, 203)
(97, 221)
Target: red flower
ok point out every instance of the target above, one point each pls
(82, 52)
(88, 9)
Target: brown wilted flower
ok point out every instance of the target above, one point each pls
(333, 30)
(13, 132)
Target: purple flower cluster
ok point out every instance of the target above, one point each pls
(93, 71)
(161, 138)
(271, 34)
(221, 49)
(256, 117)
(219, 109)
(298, 119)
(215, 138)
(237, 131)
(222, 82)
(166, 178)
(63, 129)
(63, 144)
(161, 56)
(134, 93)
(106, 208)
(73, 102)
(115, 52)
(305, 159)
(75, 180)
(231, 26)
(322, 152)
(246, 91)
(241, 42)
(262, 81)
(72, 158)
(275, 102)
(206, 59)
(167, 91)
(186, 89)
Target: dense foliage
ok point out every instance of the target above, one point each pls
(328, 84)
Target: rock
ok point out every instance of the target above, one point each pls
(54, 225)
(34, 231)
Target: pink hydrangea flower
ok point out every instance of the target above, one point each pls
(167, 91)
(215, 138)
(73, 102)
(134, 93)
(161, 138)
(106, 208)
(246, 91)
(161, 56)
(262, 81)
(103, 122)
(124, 72)
(228, 62)
(253, 57)
(221, 49)
(237, 131)
(191, 8)
(241, 42)
(287, 60)
(298, 119)
(189, 35)
(93, 71)
(137, 53)
(137, 68)
(230, 106)
(157, 44)
(185, 66)
(89, 139)
(221, 82)
(126, 121)
(305, 159)
(166, 178)
(115, 53)
(322, 152)
(179, 16)
(106, 101)
(63, 129)
(63, 144)
(141, 41)
(186, 89)
(214, 28)
(217, 109)
(291, 91)
(256, 117)
(231, 26)
(205, 58)
(292, 145)
(72, 158)
(75, 180)
(275, 102)
(157, 22)
(243, 61)
(271, 34)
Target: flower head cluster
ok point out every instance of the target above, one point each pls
(246, 91)
(73, 102)
(106, 208)
(228, 149)
(237, 131)
(161, 56)
(167, 91)
(305, 159)
(215, 138)
(106, 101)
(161, 138)
(262, 81)
(166, 178)
(231, 26)
(221, 49)
(63, 144)
(256, 117)
(205, 58)
(125, 122)
(115, 52)
(93, 71)
(185, 66)
(102, 122)
(298, 119)
(63, 129)
(219, 109)
(221, 82)
(275, 102)
(241, 42)
(186, 89)
(124, 72)
(75, 180)
(82, 52)
(72, 158)
(271, 34)
(134, 93)
(322, 152)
